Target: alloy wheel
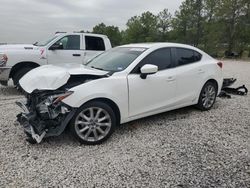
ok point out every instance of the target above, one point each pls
(208, 96)
(93, 124)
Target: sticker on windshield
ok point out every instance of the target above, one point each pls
(120, 68)
(137, 49)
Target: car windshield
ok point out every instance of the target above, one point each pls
(115, 60)
(45, 42)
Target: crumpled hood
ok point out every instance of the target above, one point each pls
(17, 47)
(50, 77)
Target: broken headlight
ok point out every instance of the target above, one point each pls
(51, 107)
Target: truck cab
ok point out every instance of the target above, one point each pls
(63, 48)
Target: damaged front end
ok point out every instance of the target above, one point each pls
(44, 114)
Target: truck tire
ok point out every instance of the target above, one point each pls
(18, 75)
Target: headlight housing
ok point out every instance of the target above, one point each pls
(60, 97)
(51, 107)
(3, 60)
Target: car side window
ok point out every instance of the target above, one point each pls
(187, 56)
(161, 58)
(70, 42)
(94, 43)
(197, 56)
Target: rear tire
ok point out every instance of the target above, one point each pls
(93, 123)
(207, 96)
(18, 75)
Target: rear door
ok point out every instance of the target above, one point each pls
(70, 53)
(157, 91)
(189, 75)
(93, 46)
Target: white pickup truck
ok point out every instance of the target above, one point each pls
(17, 60)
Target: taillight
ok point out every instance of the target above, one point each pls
(220, 64)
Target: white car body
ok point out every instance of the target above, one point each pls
(26, 55)
(168, 89)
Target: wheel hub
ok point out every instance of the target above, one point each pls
(208, 96)
(93, 124)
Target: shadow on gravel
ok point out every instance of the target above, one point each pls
(159, 119)
(66, 139)
(9, 91)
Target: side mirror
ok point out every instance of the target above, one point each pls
(147, 70)
(56, 46)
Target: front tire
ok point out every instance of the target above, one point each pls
(18, 75)
(207, 96)
(93, 123)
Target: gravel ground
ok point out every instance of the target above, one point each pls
(183, 148)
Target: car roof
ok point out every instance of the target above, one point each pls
(158, 45)
(87, 34)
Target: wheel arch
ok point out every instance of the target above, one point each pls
(20, 65)
(198, 105)
(111, 103)
(215, 82)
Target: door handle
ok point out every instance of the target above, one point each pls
(76, 55)
(170, 78)
(200, 71)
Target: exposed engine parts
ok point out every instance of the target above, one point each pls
(44, 115)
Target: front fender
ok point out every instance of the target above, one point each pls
(114, 89)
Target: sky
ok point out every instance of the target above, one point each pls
(28, 21)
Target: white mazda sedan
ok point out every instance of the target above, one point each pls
(123, 84)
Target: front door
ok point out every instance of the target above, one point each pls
(70, 52)
(157, 91)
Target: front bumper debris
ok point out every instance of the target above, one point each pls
(28, 128)
(27, 120)
(226, 90)
(24, 119)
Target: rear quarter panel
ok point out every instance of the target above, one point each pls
(213, 71)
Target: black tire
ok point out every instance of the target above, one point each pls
(95, 105)
(18, 75)
(201, 103)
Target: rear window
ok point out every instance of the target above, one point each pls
(94, 43)
(187, 56)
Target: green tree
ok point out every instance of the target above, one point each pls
(164, 24)
(112, 32)
(188, 22)
(230, 13)
(244, 28)
(142, 29)
(212, 28)
(213, 25)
